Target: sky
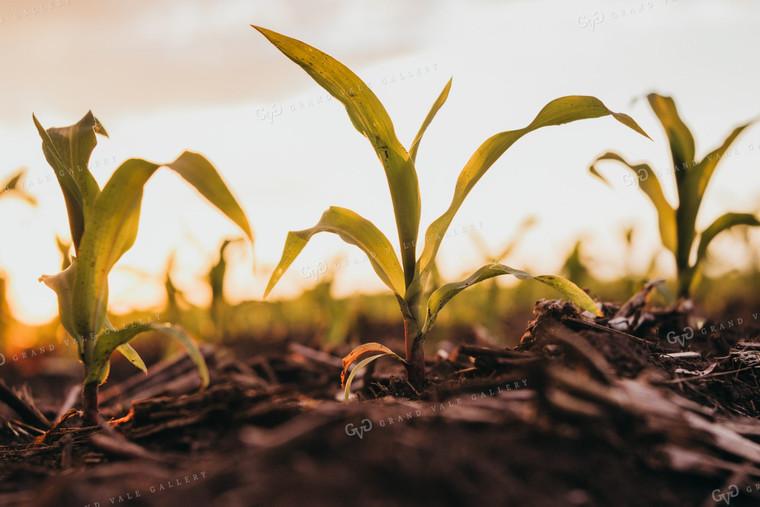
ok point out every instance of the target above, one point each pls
(163, 76)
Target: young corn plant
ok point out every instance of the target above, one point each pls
(103, 226)
(219, 308)
(408, 276)
(677, 224)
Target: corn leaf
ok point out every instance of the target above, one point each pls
(443, 295)
(352, 229)
(362, 349)
(680, 138)
(703, 172)
(112, 227)
(719, 225)
(63, 285)
(13, 180)
(129, 353)
(132, 356)
(201, 174)
(556, 112)
(216, 274)
(110, 340)
(12, 184)
(68, 151)
(370, 118)
(428, 119)
(683, 152)
(362, 364)
(64, 248)
(650, 185)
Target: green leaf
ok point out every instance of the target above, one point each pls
(370, 118)
(650, 185)
(679, 136)
(556, 112)
(133, 357)
(683, 152)
(352, 229)
(703, 172)
(128, 352)
(428, 119)
(443, 295)
(63, 285)
(201, 174)
(112, 227)
(719, 225)
(68, 151)
(110, 340)
(691, 189)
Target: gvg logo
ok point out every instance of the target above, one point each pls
(269, 113)
(352, 430)
(315, 272)
(681, 338)
(591, 21)
(733, 492)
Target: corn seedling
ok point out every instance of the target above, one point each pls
(574, 266)
(408, 276)
(103, 226)
(678, 224)
(219, 308)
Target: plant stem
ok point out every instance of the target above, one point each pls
(685, 277)
(90, 404)
(415, 353)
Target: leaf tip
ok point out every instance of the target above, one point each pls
(631, 123)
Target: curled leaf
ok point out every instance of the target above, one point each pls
(362, 364)
(352, 356)
(68, 151)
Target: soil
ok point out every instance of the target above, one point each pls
(629, 409)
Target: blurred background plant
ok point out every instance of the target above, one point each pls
(677, 223)
(13, 187)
